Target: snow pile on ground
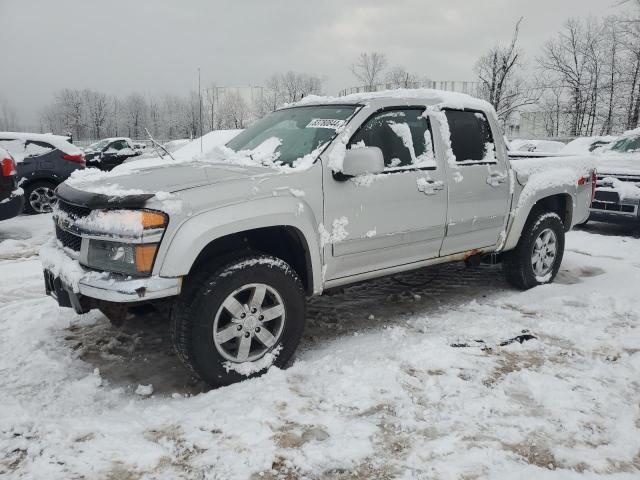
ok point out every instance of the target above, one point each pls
(420, 376)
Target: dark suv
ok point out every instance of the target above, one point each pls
(110, 152)
(11, 197)
(43, 161)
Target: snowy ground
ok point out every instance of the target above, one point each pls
(387, 396)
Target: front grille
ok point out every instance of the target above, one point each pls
(622, 178)
(68, 239)
(74, 211)
(613, 207)
(606, 196)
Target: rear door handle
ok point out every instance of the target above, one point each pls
(431, 187)
(496, 179)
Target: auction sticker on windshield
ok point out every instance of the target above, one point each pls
(325, 123)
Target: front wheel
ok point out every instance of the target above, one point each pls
(240, 319)
(538, 255)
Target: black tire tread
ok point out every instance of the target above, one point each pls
(516, 262)
(188, 303)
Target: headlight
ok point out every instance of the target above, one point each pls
(120, 257)
(132, 250)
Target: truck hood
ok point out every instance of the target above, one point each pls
(131, 188)
(618, 164)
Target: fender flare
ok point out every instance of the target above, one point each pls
(196, 232)
(520, 213)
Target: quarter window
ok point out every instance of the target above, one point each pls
(404, 136)
(471, 138)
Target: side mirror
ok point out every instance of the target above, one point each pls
(363, 160)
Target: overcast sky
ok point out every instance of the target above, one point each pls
(156, 46)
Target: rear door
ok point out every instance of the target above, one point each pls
(479, 196)
(390, 219)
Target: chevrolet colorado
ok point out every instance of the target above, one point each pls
(317, 195)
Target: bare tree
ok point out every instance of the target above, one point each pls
(283, 88)
(8, 116)
(136, 109)
(369, 69)
(234, 111)
(399, 77)
(571, 58)
(501, 82)
(97, 108)
(71, 106)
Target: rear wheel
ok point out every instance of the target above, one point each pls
(240, 319)
(40, 197)
(538, 255)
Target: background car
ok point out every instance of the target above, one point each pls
(538, 146)
(586, 145)
(110, 152)
(617, 197)
(11, 197)
(42, 161)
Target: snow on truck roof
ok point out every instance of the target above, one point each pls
(423, 95)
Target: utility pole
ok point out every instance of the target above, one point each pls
(200, 105)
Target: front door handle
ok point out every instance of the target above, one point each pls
(430, 187)
(496, 179)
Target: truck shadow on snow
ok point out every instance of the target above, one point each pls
(140, 351)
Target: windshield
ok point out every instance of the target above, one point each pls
(98, 145)
(627, 145)
(293, 133)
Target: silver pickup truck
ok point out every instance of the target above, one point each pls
(321, 194)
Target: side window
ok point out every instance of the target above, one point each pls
(471, 138)
(119, 145)
(37, 149)
(404, 136)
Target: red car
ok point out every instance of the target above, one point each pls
(11, 196)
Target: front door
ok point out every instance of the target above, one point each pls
(479, 196)
(397, 217)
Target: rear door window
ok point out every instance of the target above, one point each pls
(471, 138)
(403, 135)
(35, 149)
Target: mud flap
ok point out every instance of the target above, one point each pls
(64, 295)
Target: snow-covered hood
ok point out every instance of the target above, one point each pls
(131, 188)
(618, 164)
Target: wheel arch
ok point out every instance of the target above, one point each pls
(556, 202)
(269, 227)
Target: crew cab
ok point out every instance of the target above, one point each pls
(322, 194)
(108, 153)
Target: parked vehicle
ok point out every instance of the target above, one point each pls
(43, 161)
(586, 145)
(11, 197)
(537, 146)
(110, 152)
(617, 197)
(323, 194)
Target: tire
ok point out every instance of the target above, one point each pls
(518, 264)
(39, 197)
(206, 305)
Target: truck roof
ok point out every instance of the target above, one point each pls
(424, 96)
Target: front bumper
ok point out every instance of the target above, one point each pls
(12, 206)
(76, 287)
